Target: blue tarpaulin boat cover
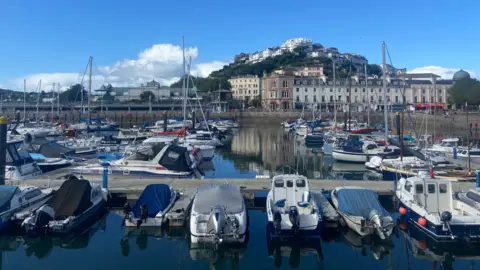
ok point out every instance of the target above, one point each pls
(156, 197)
(359, 202)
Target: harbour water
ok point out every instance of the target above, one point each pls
(252, 152)
(267, 150)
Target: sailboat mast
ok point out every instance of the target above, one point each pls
(24, 100)
(435, 107)
(368, 99)
(334, 95)
(350, 96)
(58, 99)
(53, 98)
(384, 89)
(38, 96)
(184, 90)
(468, 139)
(89, 87)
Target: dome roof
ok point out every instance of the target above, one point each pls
(461, 74)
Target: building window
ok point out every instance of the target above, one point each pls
(423, 91)
(306, 98)
(415, 99)
(371, 90)
(355, 90)
(298, 98)
(331, 90)
(314, 90)
(323, 98)
(331, 98)
(380, 90)
(396, 99)
(314, 98)
(423, 100)
(432, 99)
(363, 90)
(298, 90)
(285, 84)
(379, 98)
(440, 91)
(306, 90)
(440, 99)
(371, 98)
(339, 98)
(388, 90)
(356, 98)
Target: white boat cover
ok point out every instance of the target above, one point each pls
(359, 202)
(210, 195)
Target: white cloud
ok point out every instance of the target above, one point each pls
(162, 62)
(445, 73)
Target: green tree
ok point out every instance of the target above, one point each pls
(374, 70)
(256, 102)
(147, 95)
(72, 94)
(465, 90)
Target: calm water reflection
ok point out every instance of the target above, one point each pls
(267, 149)
(107, 246)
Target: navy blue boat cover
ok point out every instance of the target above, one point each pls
(156, 197)
(359, 202)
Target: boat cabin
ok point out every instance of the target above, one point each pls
(450, 142)
(290, 190)
(19, 164)
(434, 195)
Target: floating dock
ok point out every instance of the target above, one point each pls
(132, 188)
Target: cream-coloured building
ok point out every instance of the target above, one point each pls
(321, 92)
(245, 87)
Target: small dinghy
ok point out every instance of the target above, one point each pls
(15, 200)
(218, 215)
(291, 210)
(74, 203)
(330, 216)
(150, 209)
(362, 212)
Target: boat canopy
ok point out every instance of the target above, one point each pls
(6, 195)
(359, 202)
(176, 158)
(72, 198)
(48, 148)
(210, 195)
(156, 197)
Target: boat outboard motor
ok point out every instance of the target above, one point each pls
(446, 217)
(375, 218)
(218, 217)
(277, 222)
(294, 217)
(143, 215)
(43, 216)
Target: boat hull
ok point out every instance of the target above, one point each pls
(343, 156)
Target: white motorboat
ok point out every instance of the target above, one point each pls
(446, 146)
(362, 212)
(291, 210)
(218, 215)
(151, 207)
(172, 161)
(463, 152)
(431, 205)
(73, 203)
(15, 200)
(201, 139)
(361, 151)
(50, 164)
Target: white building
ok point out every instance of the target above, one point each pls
(291, 44)
(268, 52)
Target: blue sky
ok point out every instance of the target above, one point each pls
(52, 38)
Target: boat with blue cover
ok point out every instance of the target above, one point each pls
(362, 212)
(151, 207)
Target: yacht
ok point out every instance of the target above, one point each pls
(446, 146)
(432, 206)
(218, 215)
(361, 151)
(291, 210)
(72, 204)
(362, 212)
(172, 161)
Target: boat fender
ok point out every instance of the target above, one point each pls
(422, 221)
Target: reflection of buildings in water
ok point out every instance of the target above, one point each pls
(352, 171)
(277, 148)
(309, 162)
(247, 142)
